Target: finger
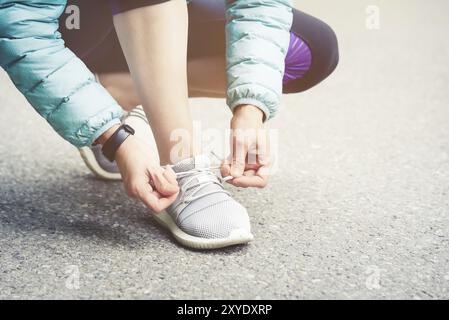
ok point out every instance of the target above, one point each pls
(249, 166)
(164, 202)
(242, 182)
(251, 178)
(263, 173)
(263, 148)
(250, 169)
(251, 156)
(154, 200)
(225, 170)
(238, 157)
(162, 185)
(146, 195)
(237, 182)
(249, 181)
(170, 175)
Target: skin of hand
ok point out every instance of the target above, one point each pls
(143, 177)
(249, 162)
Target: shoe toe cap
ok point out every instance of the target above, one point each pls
(217, 221)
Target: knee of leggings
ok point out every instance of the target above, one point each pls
(325, 58)
(331, 53)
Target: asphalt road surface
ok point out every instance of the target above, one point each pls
(359, 207)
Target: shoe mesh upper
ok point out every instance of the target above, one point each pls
(212, 216)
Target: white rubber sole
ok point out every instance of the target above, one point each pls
(238, 236)
(91, 162)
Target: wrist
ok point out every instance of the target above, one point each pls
(107, 134)
(249, 111)
(113, 139)
(122, 149)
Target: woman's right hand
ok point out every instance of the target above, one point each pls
(143, 177)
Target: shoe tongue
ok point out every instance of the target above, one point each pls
(197, 162)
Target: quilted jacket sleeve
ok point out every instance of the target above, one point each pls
(257, 39)
(55, 82)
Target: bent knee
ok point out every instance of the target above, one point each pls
(323, 44)
(330, 52)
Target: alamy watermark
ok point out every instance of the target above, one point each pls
(72, 281)
(373, 280)
(73, 20)
(372, 21)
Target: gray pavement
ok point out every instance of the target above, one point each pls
(358, 209)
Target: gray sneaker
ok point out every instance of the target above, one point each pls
(204, 216)
(100, 165)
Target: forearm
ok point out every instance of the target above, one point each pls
(257, 36)
(55, 82)
(154, 41)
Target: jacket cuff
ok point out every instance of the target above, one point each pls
(103, 129)
(95, 127)
(254, 102)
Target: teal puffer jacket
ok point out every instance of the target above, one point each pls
(62, 90)
(257, 36)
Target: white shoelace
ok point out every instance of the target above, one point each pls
(196, 180)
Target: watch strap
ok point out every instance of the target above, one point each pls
(111, 146)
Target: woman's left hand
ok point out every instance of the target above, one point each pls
(249, 162)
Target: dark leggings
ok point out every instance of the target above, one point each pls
(96, 42)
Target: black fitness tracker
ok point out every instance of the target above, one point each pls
(111, 146)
